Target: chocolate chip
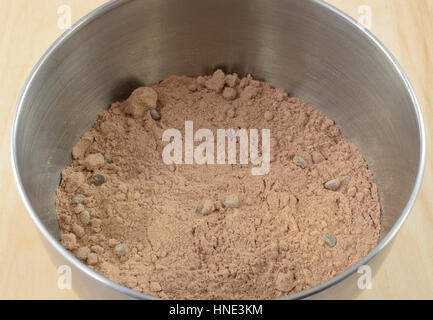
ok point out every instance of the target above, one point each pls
(121, 249)
(230, 113)
(231, 201)
(332, 184)
(206, 207)
(85, 218)
(330, 240)
(229, 93)
(155, 114)
(79, 199)
(99, 179)
(300, 162)
(110, 159)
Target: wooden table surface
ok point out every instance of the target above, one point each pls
(27, 28)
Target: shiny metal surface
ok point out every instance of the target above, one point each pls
(307, 47)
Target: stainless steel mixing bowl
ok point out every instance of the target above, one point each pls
(307, 47)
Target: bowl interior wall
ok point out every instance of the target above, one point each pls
(300, 46)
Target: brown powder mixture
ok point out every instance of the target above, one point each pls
(140, 222)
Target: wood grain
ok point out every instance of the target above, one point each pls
(27, 28)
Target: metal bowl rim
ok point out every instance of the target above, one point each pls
(112, 4)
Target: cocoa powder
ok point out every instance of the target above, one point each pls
(217, 231)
